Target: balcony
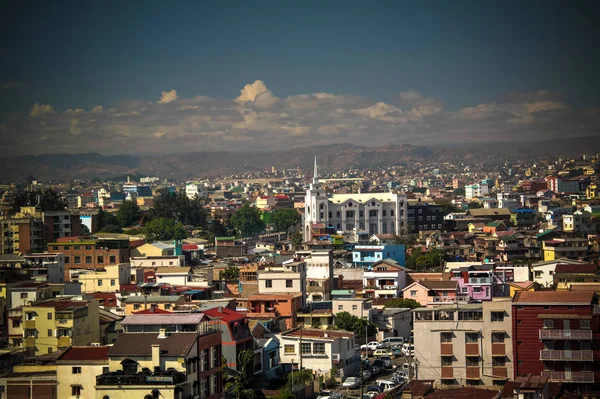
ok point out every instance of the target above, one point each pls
(446, 349)
(316, 288)
(499, 373)
(473, 373)
(567, 335)
(119, 378)
(570, 376)
(582, 355)
(447, 373)
(29, 325)
(63, 341)
(472, 349)
(498, 349)
(448, 299)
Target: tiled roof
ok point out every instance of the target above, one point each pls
(224, 314)
(584, 287)
(553, 297)
(140, 344)
(161, 319)
(85, 353)
(439, 285)
(590, 269)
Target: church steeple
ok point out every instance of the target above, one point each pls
(315, 173)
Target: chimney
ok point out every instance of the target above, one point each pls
(155, 356)
(162, 333)
(326, 335)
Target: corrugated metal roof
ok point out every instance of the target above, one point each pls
(140, 344)
(162, 318)
(153, 299)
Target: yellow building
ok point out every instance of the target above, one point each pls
(77, 368)
(571, 248)
(107, 280)
(593, 190)
(154, 249)
(523, 286)
(55, 324)
(142, 302)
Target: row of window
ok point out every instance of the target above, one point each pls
(288, 283)
(316, 348)
(89, 259)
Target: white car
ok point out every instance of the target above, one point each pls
(372, 346)
(351, 382)
(326, 394)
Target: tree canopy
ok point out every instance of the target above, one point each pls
(285, 218)
(128, 214)
(163, 229)
(348, 322)
(247, 220)
(49, 200)
(179, 207)
(420, 260)
(402, 303)
(230, 273)
(104, 219)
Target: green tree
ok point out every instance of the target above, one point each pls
(447, 206)
(106, 219)
(247, 220)
(348, 322)
(236, 386)
(179, 207)
(402, 303)
(474, 205)
(230, 273)
(285, 218)
(297, 239)
(85, 231)
(420, 260)
(163, 229)
(47, 199)
(128, 214)
(111, 228)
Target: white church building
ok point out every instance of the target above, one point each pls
(376, 213)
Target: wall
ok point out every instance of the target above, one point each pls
(87, 379)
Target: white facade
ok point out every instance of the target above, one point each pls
(476, 191)
(376, 213)
(193, 190)
(543, 272)
(157, 261)
(359, 307)
(174, 276)
(290, 277)
(54, 264)
(382, 282)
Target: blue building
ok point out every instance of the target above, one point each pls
(367, 255)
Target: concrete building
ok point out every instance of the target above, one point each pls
(572, 248)
(108, 279)
(23, 232)
(543, 272)
(320, 350)
(372, 212)
(157, 261)
(290, 277)
(367, 255)
(276, 307)
(77, 368)
(144, 302)
(59, 224)
(359, 307)
(464, 344)
(196, 190)
(236, 336)
(319, 273)
(385, 279)
(54, 264)
(393, 322)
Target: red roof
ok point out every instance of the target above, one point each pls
(152, 311)
(554, 297)
(224, 314)
(588, 269)
(83, 353)
(189, 247)
(129, 287)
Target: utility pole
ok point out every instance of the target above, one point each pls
(300, 363)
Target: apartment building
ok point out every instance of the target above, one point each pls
(59, 224)
(77, 368)
(319, 273)
(235, 332)
(466, 344)
(55, 324)
(22, 232)
(359, 307)
(108, 279)
(367, 255)
(384, 279)
(566, 247)
(556, 335)
(289, 277)
(282, 307)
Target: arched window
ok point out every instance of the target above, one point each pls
(129, 366)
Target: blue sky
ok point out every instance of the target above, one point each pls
(72, 55)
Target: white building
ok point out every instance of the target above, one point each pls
(156, 261)
(54, 264)
(385, 280)
(377, 213)
(393, 322)
(543, 272)
(173, 275)
(319, 273)
(287, 278)
(193, 190)
(476, 190)
(321, 350)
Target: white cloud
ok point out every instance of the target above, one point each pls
(168, 96)
(40, 109)
(97, 109)
(251, 90)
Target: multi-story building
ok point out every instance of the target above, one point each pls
(287, 278)
(385, 279)
(372, 212)
(52, 264)
(55, 324)
(583, 223)
(59, 224)
(564, 275)
(319, 273)
(359, 307)
(23, 232)
(367, 255)
(24, 292)
(468, 344)
(320, 350)
(275, 307)
(434, 292)
(108, 279)
(555, 334)
(144, 302)
(423, 216)
(196, 190)
(566, 247)
(236, 336)
(77, 368)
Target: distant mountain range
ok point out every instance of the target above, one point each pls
(333, 156)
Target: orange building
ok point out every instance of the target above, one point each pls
(275, 306)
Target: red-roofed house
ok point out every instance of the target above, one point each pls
(77, 368)
(556, 335)
(236, 336)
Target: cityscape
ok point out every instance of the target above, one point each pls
(410, 209)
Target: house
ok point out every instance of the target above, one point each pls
(523, 218)
(543, 272)
(77, 368)
(515, 287)
(572, 248)
(385, 279)
(492, 227)
(477, 281)
(108, 279)
(359, 307)
(319, 273)
(316, 315)
(490, 214)
(149, 322)
(235, 332)
(433, 292)
(393, 322)
(320, 350)
(173, 275)
(275, 307)
(267, 364)
(367, 255)
(289, 277)
(155, 249)
(557, 332)
(537, 386)
(143, 302)
(34, 379)
(24, 292)
(565, 274)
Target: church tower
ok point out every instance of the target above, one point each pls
(315, 205)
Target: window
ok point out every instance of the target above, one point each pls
(77, 260)
(99, 282)
(340, 307)
(497, 337)
(129, 366)
(67, 260)
(112, 259)
(499, 361)
(372, 213)
(49, 332)
(305, 348)
(472, 361)
(136, 306)
(413, 292)
(289, 284)
(446, 337)
(392, 212)
(76, 370)
(584, 324)
(471, 337)
(88, 260)
(213, 384)
(319, 348)
(100, 259)
(113, 282)
(167, 306)
(446, 361)
(497, 316)
(383, 213)
(289, 349)
(269, 283)
(76, 248)
(354, 307)
(548, 323)
(49, 316)
(75, 390)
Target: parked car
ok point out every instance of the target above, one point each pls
(408, 349)
(387, 361)
(366, 374)
(370, 395)
(386, 384)
(392, 341)
(401, 374)
(374, 388)
(375, 369)
(397, 352)
(327, 394)
(382, 352)
(351, 382)
(379, 363)
(373, 345)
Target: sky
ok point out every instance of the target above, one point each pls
(154, 77)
